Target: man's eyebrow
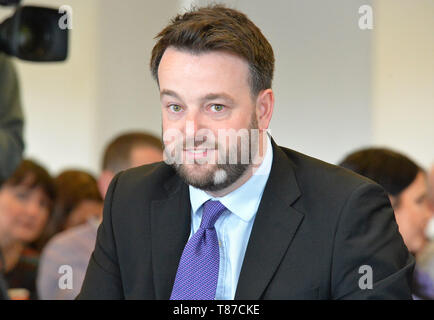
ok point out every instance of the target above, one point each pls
(221, 95)
(209, 96)
(167, 92)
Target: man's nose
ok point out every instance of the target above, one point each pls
(192, 124)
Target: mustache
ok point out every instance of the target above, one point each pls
(198, 144)
(181, 142)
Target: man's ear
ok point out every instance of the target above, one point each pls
(104, 181)
(264, 108)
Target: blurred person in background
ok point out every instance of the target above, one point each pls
(26, 201)
(426, 257)
(128, 150)
(78, 200)
(74, 247)
(430, 227)
(11, 119)
(406, 184)
(11, 130)
(431, 188)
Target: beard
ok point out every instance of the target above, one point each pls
(214, 177)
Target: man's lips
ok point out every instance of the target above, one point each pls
(197, 153)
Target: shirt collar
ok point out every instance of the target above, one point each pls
(243, 201)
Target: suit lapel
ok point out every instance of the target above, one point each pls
(275, 225)
(170, 229)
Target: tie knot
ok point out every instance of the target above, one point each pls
(211, 212)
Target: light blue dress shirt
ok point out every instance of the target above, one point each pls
(235, 224)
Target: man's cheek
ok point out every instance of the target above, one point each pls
(173, 141)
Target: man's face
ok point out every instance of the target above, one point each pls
(202, 96)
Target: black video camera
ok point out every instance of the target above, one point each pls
(33, 33)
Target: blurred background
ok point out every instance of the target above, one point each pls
(337, 87)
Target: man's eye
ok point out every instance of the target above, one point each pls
(217, 108)
(175, 108)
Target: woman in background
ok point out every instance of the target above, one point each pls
(26, 200)
(77, 200)
(406, 184)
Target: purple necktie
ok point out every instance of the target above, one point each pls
(198, 270)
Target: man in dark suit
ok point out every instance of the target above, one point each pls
(271, 224)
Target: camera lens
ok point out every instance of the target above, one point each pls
(33, 37)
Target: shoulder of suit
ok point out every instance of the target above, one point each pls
(314, 171)
(150, 178)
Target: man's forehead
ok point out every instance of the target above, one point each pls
(203, 61)
(212, 75)
(192, 54)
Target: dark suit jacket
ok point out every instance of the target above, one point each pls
(316, 225)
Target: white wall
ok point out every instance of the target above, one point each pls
(403, 77)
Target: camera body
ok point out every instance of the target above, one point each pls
(9, 2)
(33, 33)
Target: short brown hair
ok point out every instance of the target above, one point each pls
(72, 187)
(117, 155)
(32, 175)
(217, 27)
